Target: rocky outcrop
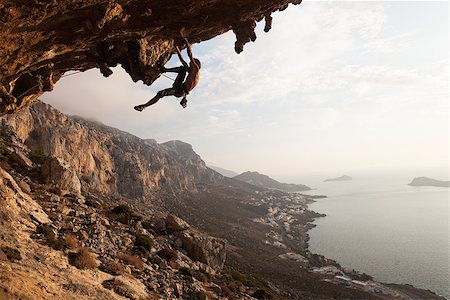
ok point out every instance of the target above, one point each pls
(41, 40)
(86, 157)
(198, 246)
(174, 223)
(17, 208)
(59, 173)
(204, 248)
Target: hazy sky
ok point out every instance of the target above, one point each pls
(334, 87)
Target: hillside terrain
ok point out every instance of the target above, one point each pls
(265, 181)
(172, 229)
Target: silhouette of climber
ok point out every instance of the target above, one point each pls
(181, 87)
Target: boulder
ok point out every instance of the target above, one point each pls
(25, 187)
(204, 248)
(59, 173)
(39, 216)
(160, 225)
(174, 223)
(21, 159)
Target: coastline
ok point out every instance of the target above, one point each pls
(404, 290)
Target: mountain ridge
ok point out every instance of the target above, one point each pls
(144, 165)
(224, 172)
(265, 181)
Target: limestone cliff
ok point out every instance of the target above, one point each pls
(93, 158)
(41, 40)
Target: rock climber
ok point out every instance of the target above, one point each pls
(181, 87)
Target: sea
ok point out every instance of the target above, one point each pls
(379, 225)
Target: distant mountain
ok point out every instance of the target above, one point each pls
(224, 172)
(425, 181)
(342, 178)
(265, 181)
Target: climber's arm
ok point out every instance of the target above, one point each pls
(181, 58)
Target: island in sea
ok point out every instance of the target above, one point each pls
(426, 181)
(342, 178)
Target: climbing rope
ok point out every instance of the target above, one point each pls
(167, 77)
(36, 85)
(67, 75)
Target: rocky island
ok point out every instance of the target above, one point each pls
(425, 181)
(341, 178)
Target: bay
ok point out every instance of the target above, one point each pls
(387, 229)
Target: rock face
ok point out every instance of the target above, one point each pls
(93, 158)
(59, 173)
(425, 181)
(204, 248)
(41, 40)
(265, 181)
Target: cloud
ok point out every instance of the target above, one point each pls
(330, 75)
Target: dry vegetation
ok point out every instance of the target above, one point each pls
(71, 241)
(83, 259)
(132, 260)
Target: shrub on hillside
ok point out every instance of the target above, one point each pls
(71, 241)
(132, 260)
(11, 253)
(83, 259)
(143, 243)
(38, 157)
(185, 271)
(46, 231)
(114, 268)
(167, 254)
(50, 238)
(124, 214)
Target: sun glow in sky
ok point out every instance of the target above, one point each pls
(333, 87)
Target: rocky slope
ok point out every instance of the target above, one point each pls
(41, 40)
(90, 158)
(57, 245)
(265, 181)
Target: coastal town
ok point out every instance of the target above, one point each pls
(289, 220)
